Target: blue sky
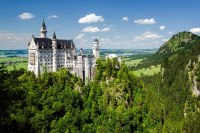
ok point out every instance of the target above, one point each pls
(127, 24)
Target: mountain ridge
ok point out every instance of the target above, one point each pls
(178, 41)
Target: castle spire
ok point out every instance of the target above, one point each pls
(43, 30)
(54, 35)
(43, 24)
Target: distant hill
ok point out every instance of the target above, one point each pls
(179, 43)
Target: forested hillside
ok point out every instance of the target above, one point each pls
(182, 41)
(60, 102)
(115, 101)
(176, 89)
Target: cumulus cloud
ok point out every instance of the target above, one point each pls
(52, 16)
(26, 15)
(93, 29)
(105, 29)
(91, 18)
(80, 36)
(145, 21)
(147, 36)
(162, 27)
(125, 18)
(195, 30)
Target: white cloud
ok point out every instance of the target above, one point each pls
(95, 37)
(145, 21)
(170, 33)
(162, 27)
(105, 40)
(80, 36)
(105, 29)
(9, 40)
(93, 29)
(118, 36)
(146, 40)
(125, 18)
(195, 30)
(14, 37)
(91, 18)
(52, 16)
(165, 40)
(147, 36)
(26, 15)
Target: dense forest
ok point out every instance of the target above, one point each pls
(60, 102)
(115, 101)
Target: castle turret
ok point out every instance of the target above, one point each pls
(43, 30)
(81, 51)
(54, 47)
(96, 48)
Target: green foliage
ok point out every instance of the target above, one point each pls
(115, 101)
(183, 41)
(15, 62)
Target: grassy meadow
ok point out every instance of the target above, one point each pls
(22, 62)
(147, 71)
(132, 62)
(144, 71)
(15, 62)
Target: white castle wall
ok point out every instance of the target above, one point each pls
(53, 59)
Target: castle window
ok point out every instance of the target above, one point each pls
(44, 51)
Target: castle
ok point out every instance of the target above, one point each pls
(52, 54)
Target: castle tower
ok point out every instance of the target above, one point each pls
(54, 46)
(81, 51)
(43, 30)
(96, 48)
